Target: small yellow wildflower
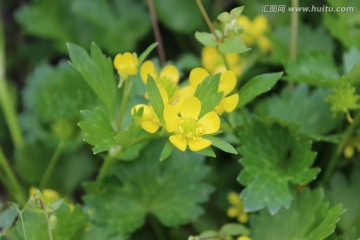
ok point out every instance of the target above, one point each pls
(126, 64)
(213, 61)
(149, 121)
(188, 129)
(166, 79)
(254, 32)
(227, 85)
(48, 196)
(237, 208)
(352, 144)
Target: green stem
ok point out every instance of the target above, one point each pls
(15, 188)
(124, 102)
(49, 226)
(337, 153)
(294, 30)
(207, 19)
(53, 161)
(226, 63)
(22, 218)
(156, 29)
(6, 102)
(105, 167)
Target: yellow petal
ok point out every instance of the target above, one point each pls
(260, 25)
(234, 198)
(230, 103)
(209, 58)
(150, 126)
(244, 21)
(170, 72)
(164, 95)
(210, 123)
(243, 217)
(190, 108)
(199, 144)
(178, 142)
(232, 212)
(171, 118)
(197, 75)
(148, 68)
(227, 82)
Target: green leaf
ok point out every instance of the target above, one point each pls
(308, 218)
(206, 39)
(147, 51)
(180, 16)
(54, 93)
(233, 45)
(257, 86)
(221, 144)
(170, 190)
(98, 130)
(223, 17)
(234, 229)
(8, 217)
(155, 98)
(350, 59)
(310, 40)
(69, 224)
(345, 190)
(316, 68)
(305, 108)
(207, 93)
(344, 25)
(97, 70)
(275, 157)
(60, 21)
(208, 152)
(166, 151)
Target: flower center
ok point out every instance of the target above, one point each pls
(189, 129)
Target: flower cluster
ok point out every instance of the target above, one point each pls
(255, 32)
(236, 210)
(183, 118)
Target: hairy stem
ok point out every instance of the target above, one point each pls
(337, 153)
(207, 19)
(156, 29)
(53, 161)
(294, 30)
(6, 102)
(14, 186)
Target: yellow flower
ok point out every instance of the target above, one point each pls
(48, 196)
(352, 144)
(243, 238)
(227, 85)
(167, 79)
(213, 61)
(188, 129)
(236, 210)
(254, 32)
(149, 121)
(126, 64)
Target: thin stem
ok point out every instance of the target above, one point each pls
(22, 219)
(337, 153)
(11, 179)
(294, 30)
(105, 167)
(124, 102)
(207, 19)
(53, 161)
(226, 63)
(156, 29)
(49, 226)
(6, 102)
